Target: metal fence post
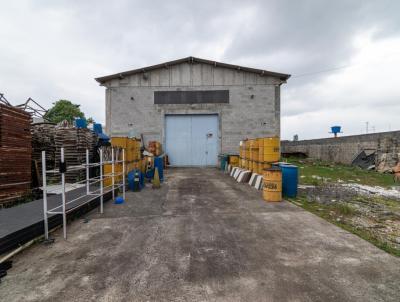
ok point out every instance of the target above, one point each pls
(63, 196)
(123, 174)
(112, 173)
(87, 171)
(101, 180)
(44, 183)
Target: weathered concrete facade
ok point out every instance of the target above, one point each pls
(344, 149)
(253, 109)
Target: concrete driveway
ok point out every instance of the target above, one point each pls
(203, 237)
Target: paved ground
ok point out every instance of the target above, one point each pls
(203, 237)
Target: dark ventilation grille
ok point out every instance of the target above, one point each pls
(192, 97)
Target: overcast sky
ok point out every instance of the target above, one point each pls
(53, 50)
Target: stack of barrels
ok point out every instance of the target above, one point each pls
(133, 159)
(272, 175)
(257, 155)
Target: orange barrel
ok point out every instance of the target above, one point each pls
(272, 190)
(271, 152)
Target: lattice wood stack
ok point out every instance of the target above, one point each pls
(43, 139)
(75, 142)
(15, 153)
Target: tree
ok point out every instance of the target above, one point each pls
(90, 120)
(64, 110)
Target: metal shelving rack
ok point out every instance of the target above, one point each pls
(89, 181)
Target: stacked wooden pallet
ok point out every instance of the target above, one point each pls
(75, 141)
(15, 153)
(43, 139)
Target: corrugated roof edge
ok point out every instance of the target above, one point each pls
(104, 79)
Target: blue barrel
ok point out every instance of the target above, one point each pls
(135, 180)
(97, 128)
(290, 176)
(224, 160)
(159, 163)
(80, 123)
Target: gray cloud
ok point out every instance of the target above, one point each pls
(54, 49)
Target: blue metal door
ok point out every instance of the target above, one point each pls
(192, 140)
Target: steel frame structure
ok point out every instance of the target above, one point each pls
(98, 193)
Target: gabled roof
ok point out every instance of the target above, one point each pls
(104, 79)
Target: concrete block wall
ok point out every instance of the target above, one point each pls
(253, 109)
(344, 149)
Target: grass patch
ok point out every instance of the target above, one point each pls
(331, 213)
(345, 209)
(318, 172)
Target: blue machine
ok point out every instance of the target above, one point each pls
(80, 123)
(135, 180)
(290, 176)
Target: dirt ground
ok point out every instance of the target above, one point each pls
(203, 237)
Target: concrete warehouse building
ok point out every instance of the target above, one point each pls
(196, 108)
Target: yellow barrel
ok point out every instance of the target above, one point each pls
(108, 171)
(271, 152)
(247, 144)
(272, 190)
(250, 149)
(260, 149)
(255, 167)
(259, 168)
(255, 155)
(234, 160)
(255, 143)
(264, 166)
(119, 142)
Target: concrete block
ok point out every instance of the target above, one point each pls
(244, 176)
(259, 184)
(252, 179)
(237, 173)
(233, 171)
